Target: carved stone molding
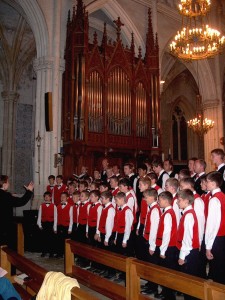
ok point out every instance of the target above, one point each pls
(10, 96)
(210, 103)
(47, 62)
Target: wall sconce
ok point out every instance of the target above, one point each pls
(38, 140)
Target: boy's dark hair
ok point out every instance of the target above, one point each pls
(184, 172)
(157, 163)
(151, 193)
(173, 182)
(203, 177)
(130, 165)
(76, 193)
(125, 182)
(84, 183)
(3, 179)
(170, 162)
(96, 193)
(114, 177)
(188, 180)
(107, 195)
(47, 194)
(121, 195)
(65, 193)
(153, 176)
(216, 177)
(104, 184)
(166, 195)
(96, 185)
(143, 167)
(186, 194)
(51, 177)
(59, 176)
(87, 194)
(218, 151)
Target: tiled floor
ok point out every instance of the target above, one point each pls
(57, 265)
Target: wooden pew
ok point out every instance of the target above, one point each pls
(190, 285)
(94, 281)
(10, 258)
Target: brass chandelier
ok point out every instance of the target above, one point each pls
(199, 124)
(196, 40)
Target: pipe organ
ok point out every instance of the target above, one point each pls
(110, 97)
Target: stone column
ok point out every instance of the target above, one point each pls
(212, 110)
(9, 125)
(49, 79)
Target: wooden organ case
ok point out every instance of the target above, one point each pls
(110, 97)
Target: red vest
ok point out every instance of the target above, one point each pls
(103, 218)
(134, 212)
(221, 197)
(195, 196)
(93, 215)
(75, 213)
(82, 218)
(47, 212)
(57, 193)
(63, 215)
(173, 233)
(205, 198)
(174, 198)
(121, 220)
(70, 200)
(115, 192)
(180, 233)
(148, 221)
(50, 189)
(144, 210)
(157, 187)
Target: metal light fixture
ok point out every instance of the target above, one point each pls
(196, 40)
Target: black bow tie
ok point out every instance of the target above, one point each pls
(76, 204)
(120, 208)
(59, 185)
(163, 210)
(47, 202)
(82, 204)
(103, 205)
(63, 204)
(182, 213)
(92, 205)
(51, 186)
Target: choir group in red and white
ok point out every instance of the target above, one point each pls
(172, 220)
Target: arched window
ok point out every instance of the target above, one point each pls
(179, 134)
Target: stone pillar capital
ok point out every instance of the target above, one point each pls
(210, 103)
(11, 96)
(47, 63)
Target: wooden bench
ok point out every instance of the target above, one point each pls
(10, 258)
(94, 281)
(190, 285)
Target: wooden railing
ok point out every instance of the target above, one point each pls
(9, 258)
(94, 281)
(135, 270)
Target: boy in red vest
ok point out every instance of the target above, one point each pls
(215, 228)
(154, 185)
(64, 223)
(123, 228)
(47, 218)
(59, 188)
(149, 235)
(167, 238)
(94, 211)
(76, 201)
(50, 186)
(187, 236)
(82, 216)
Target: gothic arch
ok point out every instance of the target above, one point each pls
(38, 25)
(112, 9)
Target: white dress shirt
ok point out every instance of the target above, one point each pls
(164, 178)
(154, 226)
(213, 220)
(199, 208)
(166, 232)
(109, 222)
(177, 210)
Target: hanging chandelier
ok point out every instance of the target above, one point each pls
(196, 40)
(194, 8)
(199, 124)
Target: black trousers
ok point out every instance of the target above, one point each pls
(62, 234)
(191, 267)
(91, 235)
(74, 232)
(48, 238)
(217, 264)
(81, 233)
(128, 251)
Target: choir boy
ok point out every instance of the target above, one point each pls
(215, 228)
(76, 201)
(47, 222)
(172, 186)
(50, 186)
(59, 188)
(166, 238)
(82, 216)
(64, 223)
(154, 185)
(187, 236)
(114, 182)
(157, 167)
